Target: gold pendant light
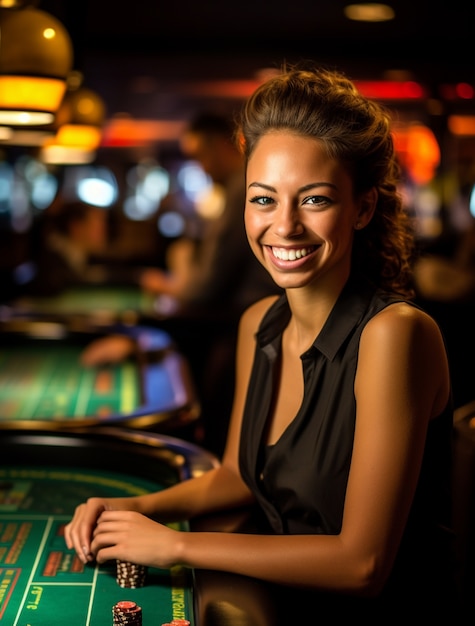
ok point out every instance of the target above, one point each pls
(36, 56)
(79, 124)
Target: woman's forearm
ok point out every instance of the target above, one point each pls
(217, 489)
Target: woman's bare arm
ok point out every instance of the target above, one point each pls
(401, 384)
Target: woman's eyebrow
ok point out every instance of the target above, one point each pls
(308, 187)
(261, 185)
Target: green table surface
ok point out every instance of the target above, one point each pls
(101, 301)
(42, 583)
(42, 380)
(38, 382)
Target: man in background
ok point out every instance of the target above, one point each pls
(70, 239)
(217, 274)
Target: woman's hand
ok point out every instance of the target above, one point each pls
(78, 533)
(131, 536)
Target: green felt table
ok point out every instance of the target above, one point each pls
(102, 303)
(39, 381)
(42, 382)
(42, 478)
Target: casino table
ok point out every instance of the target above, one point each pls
(43, 385)
(109, 304)
(43, 476)
(101, 304)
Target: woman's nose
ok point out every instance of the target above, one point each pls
(287, 221)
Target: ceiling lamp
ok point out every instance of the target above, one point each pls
(80, 119)
(369, 12)
(79, 124)
(36, 56)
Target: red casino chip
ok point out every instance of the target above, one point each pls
(126, 613)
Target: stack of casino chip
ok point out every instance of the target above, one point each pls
(126, 613)
(130, 575)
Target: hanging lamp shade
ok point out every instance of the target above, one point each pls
(36, 56)
(80, 119)
(79, 122)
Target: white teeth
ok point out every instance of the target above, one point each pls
(290, 255)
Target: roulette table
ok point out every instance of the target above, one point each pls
(101, 304)
(43, 384)
(43, 476)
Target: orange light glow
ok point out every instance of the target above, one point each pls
(35, 95)
(462, 125)
(418, 151)
(79, 136)
(128, 132)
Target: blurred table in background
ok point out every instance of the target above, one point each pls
(98, 304)
(43, 384)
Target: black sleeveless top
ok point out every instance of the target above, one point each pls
(300, 482)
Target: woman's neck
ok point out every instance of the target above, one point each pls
(310, 308)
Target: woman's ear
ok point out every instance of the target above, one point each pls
(367, 206)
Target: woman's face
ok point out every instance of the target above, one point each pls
(300, 212)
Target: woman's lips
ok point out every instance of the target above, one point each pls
(290, 258)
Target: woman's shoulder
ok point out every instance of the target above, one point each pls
(407, 342)
(403, 319)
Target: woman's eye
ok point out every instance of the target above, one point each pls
(317, 200)
(261, 200)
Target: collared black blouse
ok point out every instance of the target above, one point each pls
(300, 482)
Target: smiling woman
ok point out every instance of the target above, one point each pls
(295, 219)
(342, 410)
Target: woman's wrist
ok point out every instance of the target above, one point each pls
(179, 547)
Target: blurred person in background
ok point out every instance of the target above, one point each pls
(217, 274)
(70, 239)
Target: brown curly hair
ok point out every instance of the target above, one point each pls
(326, 105)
